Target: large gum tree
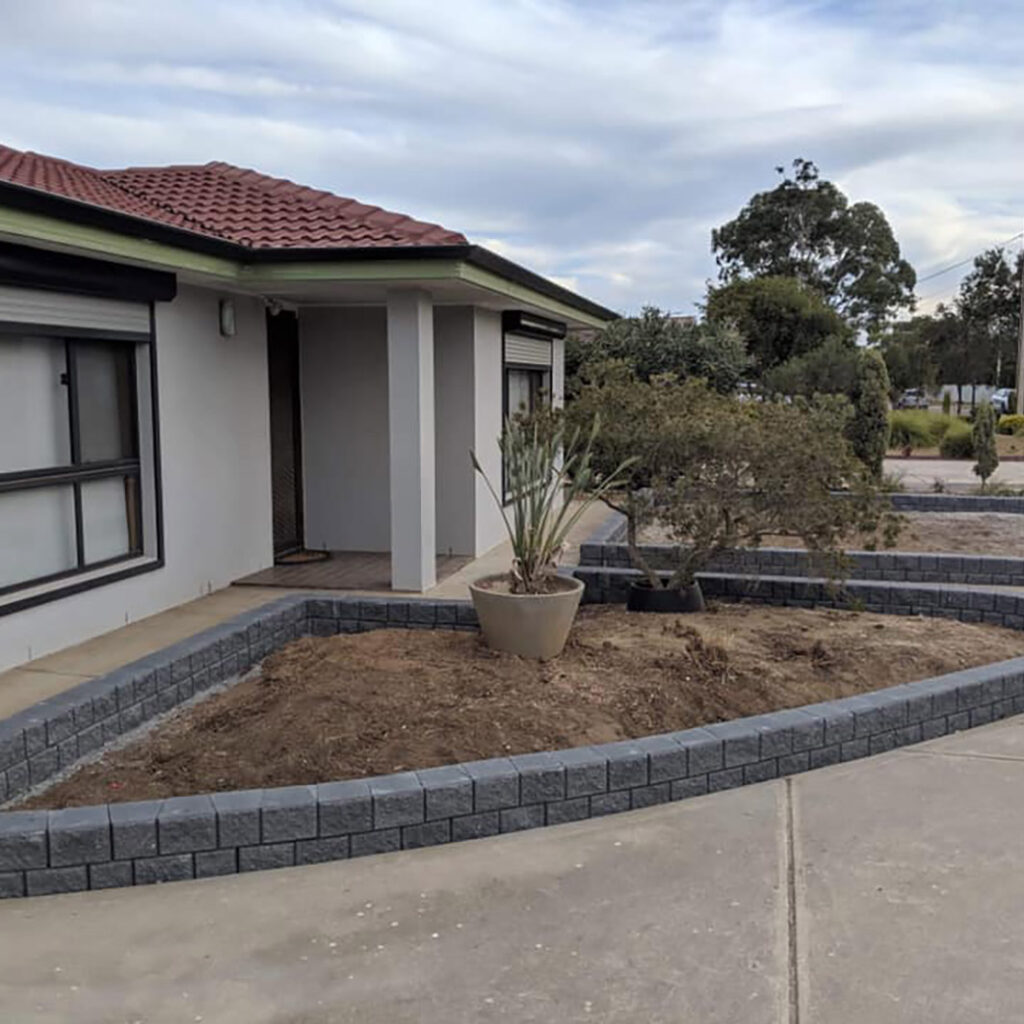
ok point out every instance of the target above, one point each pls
(806, 228)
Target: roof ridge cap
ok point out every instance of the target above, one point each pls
(141, 168)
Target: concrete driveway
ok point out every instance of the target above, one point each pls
(886, 890)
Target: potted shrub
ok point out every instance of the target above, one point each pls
(549, 482)
(714, 473)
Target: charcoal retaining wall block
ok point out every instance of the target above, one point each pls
(147, 842)
(891, 566)
(942, 600)
(911, 501)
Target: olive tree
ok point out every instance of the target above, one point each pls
(716, 472)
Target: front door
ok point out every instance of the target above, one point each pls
(285, 430)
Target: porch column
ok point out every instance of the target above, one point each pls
(411, 438)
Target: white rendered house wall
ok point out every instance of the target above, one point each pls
(215, 469)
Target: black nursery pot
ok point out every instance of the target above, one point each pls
(645, 598)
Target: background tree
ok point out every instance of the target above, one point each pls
(910, 357)
(984, 440)
(778, 318)
(947, 339)
(869, 428)
(830, 369)
(988, 303)
(655, 343)
(806, 228)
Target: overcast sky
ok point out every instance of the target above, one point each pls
(596, 141)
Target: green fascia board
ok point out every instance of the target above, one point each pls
(269, 274)
(34, 227)
(521, 293)
(413, 270)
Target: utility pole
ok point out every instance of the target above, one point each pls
(1020, 345)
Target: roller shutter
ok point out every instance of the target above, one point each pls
(72, 312)
(520, 351)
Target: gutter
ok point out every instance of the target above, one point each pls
(38, 201)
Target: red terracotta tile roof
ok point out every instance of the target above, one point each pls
(225, 202)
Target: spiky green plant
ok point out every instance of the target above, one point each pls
(549, 482)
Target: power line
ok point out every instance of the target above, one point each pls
(961, 263)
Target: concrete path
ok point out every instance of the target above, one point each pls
(956, 474)
(886, 890)
(54, 673)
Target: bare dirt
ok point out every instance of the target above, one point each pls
(976, 533)
(502, 583)
(393, 700)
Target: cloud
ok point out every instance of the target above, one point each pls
(597, 142)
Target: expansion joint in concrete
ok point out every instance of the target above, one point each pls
(964, 755)
(792, 950)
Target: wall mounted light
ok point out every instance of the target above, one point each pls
(227, 318)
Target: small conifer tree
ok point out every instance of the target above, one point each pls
(869, 428)
(984, 439)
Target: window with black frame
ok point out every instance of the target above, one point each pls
(526, 388)
(70, 467)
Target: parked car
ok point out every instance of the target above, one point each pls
(912, 398)
(1002, 401)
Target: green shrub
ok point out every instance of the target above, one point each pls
(947, 403)
(1012, 423)
(916, 428)
(830, 369)
(958, 442)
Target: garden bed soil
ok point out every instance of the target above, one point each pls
(954, 533)
(501, 583)
(396, 699)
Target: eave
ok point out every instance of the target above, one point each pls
(35, 217)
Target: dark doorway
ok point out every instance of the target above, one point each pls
(285, 430)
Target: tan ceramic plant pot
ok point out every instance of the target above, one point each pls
(531, 625)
